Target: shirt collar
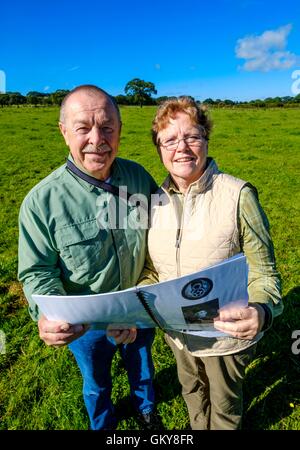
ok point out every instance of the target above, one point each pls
(89, 187)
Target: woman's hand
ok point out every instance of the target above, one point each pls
(241, 323)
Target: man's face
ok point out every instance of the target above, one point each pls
(91, 130)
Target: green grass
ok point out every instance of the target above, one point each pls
(40, 387)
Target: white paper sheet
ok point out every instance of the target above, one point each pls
(186, 304)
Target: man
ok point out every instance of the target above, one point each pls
(64, 251)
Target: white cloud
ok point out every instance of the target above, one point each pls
(157, 66)
(266, 51)
(74, 68)
(46, 88)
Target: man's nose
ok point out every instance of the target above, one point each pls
(96, 136)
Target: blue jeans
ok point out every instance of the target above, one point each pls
(94, 352)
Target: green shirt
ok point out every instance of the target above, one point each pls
(68, 243)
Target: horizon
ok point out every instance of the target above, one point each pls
(234, 50)
(155, 97)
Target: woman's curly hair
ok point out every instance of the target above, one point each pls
(184, 104)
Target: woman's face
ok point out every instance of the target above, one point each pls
(187, 162)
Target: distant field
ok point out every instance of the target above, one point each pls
(40, 387)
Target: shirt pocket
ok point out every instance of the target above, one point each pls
(80, 245)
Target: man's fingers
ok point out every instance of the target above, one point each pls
(113, 333)
(126, 336)
(133, 333)
(122, 336)
(59, 339)
(56, 339)
(58, 333)
(67, 330)
(72, 336)
(53, 326)
(131, 336)
(61, 327)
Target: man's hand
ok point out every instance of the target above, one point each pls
(120, 334)
(242, 323)
(58, 333)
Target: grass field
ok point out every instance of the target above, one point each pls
(40, 387)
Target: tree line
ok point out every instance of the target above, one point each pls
(140, 92)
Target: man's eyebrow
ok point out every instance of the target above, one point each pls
(81, 122)
(107, 121)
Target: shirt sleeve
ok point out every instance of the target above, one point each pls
(264, 284)
(149, 275)
(38, 268)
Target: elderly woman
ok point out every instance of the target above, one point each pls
(216, 216)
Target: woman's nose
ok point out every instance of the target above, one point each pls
(181, 144)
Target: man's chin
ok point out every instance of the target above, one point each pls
(99, 170)
(97, 158)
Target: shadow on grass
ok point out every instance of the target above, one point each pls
(166, 383)
(273, 380)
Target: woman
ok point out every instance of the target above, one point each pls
(216, 217)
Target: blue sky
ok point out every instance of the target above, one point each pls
(240, 50)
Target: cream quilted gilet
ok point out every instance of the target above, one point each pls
(203, 234)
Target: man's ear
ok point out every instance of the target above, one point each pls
(120, 129)
(64, 132)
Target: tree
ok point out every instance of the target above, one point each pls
(15, 98)
(58, 96)
(4, 100)
(35, 94)
(162, 99)
(140, 91)
(122, 99)
(35, 98)
(208, 101)
(297, 99)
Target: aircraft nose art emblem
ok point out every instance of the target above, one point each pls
(196, 289)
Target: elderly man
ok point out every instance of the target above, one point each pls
(64, 251)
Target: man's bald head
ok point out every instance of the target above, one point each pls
(89, 90)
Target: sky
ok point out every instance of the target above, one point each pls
(226, 49)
